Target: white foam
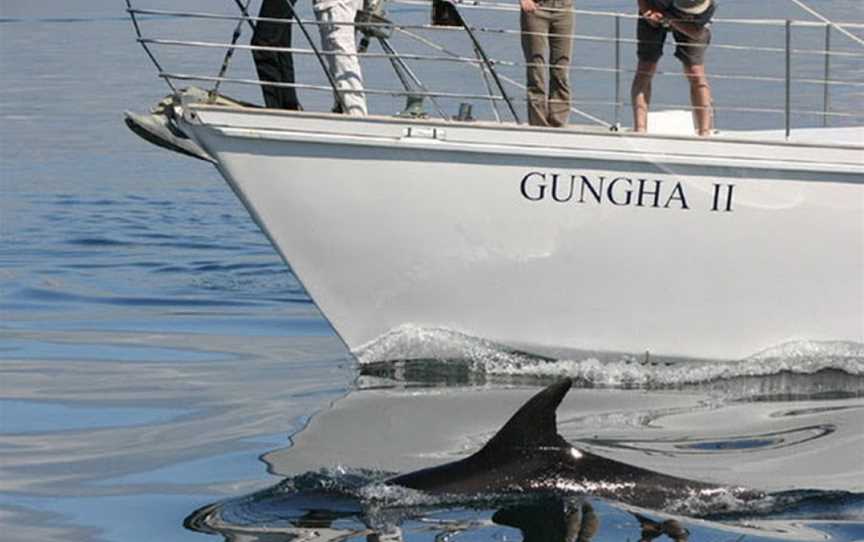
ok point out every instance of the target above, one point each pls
(725, 500)
(415, 342)
(802, 357)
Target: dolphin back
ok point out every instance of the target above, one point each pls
(527, 453)
(535, 425)
(527, 445)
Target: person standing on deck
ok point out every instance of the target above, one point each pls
(547, 23)
(275, 66)
(689, 21)
(336, 25)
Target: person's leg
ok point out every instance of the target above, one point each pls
(286, 62)
(691, 52)
(535, 27)
(344, 65)
(640, 94)
(275, 66)
(700, 98)
(649, 49)
(560, 47)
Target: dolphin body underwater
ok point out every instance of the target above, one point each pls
(528, 454)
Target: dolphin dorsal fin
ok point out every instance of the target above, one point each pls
(535, 424)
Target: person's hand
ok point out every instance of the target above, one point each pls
(528, 6)
(653, 17)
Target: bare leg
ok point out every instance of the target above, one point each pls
(640, 94)
(700, 98)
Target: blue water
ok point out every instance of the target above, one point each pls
(152, 343)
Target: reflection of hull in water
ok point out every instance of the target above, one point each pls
(349, 504)
(694, 435)
(358, 505)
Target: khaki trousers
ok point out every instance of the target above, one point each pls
(552, 29)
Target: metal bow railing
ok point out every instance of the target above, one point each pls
(492, 54)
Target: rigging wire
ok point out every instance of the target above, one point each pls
(229, 53)
(828, 21)
(433, 45)
(488, 63)
(147, 50)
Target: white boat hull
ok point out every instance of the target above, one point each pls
(391, 223)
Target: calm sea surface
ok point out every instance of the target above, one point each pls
(157, 357)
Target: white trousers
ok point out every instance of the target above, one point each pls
(340, 39)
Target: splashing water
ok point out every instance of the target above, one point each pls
(603, 369)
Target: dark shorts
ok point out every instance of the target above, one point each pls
(689, 50)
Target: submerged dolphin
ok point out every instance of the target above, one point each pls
(528, 454)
